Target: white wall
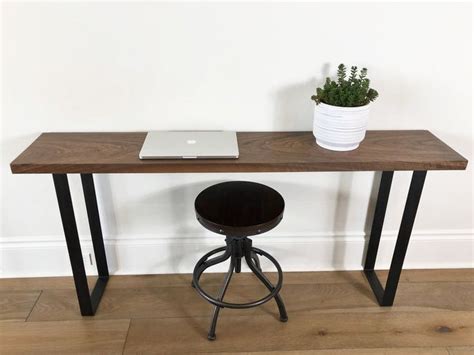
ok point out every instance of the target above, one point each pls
(248, 66)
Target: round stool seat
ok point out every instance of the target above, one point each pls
(239, 208)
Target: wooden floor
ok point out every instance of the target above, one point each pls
(329, 313)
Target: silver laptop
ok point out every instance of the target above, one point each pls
(190, 145)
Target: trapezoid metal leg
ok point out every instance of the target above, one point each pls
(386, 297)
(404, 234)
(88, 303)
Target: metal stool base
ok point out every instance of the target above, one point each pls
(236, 249)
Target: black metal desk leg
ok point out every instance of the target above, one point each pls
(94, 224)
(404, 233)
(379, 216)
(87, 303)
(387, 296)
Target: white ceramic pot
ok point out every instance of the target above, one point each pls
(340, 128)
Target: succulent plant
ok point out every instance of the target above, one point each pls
(351, 92)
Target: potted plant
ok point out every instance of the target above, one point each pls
(342, 110)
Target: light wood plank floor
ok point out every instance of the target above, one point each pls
(329, 313)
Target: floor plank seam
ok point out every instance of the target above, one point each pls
(302, 312)
(185, 284)
(288, 285)
(312, 349)
(34, 305)
(294, 313)
(257, 284)
(126, 336)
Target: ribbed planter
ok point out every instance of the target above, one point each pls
(340, 128)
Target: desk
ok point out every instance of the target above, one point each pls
(86, 154)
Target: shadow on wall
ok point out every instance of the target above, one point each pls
(150, 211)
(294, 111)
(371, 211)
(293, 105)
(108, 220)
(340, 215)
(340, 219)
(174, 206)
(341, 212)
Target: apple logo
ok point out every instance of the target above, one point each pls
(191, 141)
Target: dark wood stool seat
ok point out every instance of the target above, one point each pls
(239, 208)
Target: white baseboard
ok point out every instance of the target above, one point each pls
(35, 257)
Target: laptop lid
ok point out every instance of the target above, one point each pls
(190, 145)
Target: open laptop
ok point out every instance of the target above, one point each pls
(190, 145)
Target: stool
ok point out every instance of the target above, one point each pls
(239, 209)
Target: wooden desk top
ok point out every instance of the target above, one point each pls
(259, 152)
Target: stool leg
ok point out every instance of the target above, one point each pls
(204, 262)
(268, 285)
(256, 260)
(212, 330)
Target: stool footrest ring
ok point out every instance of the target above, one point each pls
(203, 264)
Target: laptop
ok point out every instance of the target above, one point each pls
(190, 145)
